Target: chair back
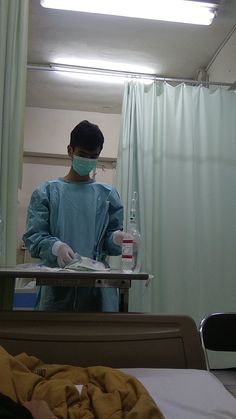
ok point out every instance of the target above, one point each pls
(218, 333)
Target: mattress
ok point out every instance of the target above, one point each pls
(187, 393)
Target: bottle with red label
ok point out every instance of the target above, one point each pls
(127, 257)
(131, 247)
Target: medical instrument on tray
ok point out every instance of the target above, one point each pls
(81, 263)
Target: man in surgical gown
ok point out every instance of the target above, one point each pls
(76, 214)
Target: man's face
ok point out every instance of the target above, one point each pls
(82, 152)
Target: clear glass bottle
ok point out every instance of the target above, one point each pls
(127, 257)
(137, 243)
(131, 249)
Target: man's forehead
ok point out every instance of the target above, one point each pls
(86, 151)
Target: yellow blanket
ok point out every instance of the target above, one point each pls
(106, 394)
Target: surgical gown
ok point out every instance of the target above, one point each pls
(83, 215)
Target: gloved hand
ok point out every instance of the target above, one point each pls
(118, 237)
(63, 252)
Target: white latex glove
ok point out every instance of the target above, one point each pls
(118, 237)
(63, 252)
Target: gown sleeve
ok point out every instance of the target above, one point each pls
(37, 237)
(115, 223)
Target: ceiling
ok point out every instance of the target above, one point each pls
(162, 48)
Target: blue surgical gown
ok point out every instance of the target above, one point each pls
(83, 215)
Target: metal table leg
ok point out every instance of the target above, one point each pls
(123, 300)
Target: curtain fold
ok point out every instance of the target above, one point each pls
(13, 62)
(178, 151)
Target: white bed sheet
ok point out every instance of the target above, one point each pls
(186, 393)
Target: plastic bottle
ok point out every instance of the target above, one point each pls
(137, 257)
(131, 248)
(127, 257)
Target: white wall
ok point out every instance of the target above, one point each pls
(223, 69)
(48, 131)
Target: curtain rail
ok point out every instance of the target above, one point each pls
(118, 73)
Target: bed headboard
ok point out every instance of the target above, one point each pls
(117, 340)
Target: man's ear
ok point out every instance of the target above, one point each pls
(69, 150)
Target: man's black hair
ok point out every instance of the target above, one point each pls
(86, 135)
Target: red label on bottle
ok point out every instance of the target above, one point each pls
(127, 248)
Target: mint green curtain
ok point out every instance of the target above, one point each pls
(13, 59)
(178, 151)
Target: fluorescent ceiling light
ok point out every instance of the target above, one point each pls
(88, 74)
(96, 78)
(92, 74)
(100, 75)
(185, 11)
(103, 64)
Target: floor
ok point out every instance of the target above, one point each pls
(228, 378)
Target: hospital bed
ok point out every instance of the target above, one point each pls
(162, 351)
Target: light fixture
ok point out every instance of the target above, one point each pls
(87, 74)
(93, 74)
(185, 11)
(74, 61)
